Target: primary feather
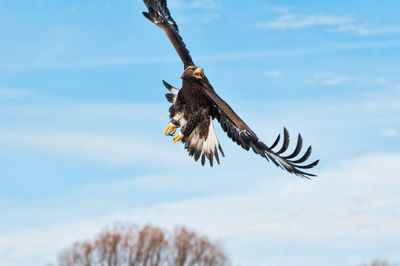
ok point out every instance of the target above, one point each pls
(159, 15)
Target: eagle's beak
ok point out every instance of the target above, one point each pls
(197, 73)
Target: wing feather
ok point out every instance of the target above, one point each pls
(305, 156)
(275, 142)
(297, 149)
(240, 133)
(159, 14)
(285, 144)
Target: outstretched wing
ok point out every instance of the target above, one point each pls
(159, 15)
(240, 133)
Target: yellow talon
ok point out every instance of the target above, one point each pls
(170, 130)
(178, 137)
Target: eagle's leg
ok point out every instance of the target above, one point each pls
(178, 137)
(193, 120)
(171, 128)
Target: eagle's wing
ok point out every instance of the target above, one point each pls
(159, 15)
(240, 133)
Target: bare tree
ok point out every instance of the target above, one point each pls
(378, 262)
(149, 246)
(189, 249)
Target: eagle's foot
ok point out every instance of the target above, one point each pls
(170, 130)
(178, 137)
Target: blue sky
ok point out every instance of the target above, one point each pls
(82, 114)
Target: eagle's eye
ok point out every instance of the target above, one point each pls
(197, 72)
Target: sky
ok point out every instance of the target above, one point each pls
(82, 115)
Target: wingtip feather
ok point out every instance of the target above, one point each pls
(147, 15)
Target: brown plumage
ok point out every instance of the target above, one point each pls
(196, 104)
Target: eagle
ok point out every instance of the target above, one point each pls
(196, 105)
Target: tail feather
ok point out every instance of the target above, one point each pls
(206, 148)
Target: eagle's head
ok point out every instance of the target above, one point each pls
(193, 72)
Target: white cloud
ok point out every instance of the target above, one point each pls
(335, 23)
(334, 47)
(290, 21)
(366, 29)
(391, 133)
(328, 79)
(199, 17)
(12, 93)
(110, 148)
(333, 79)
(228, 56)
(382, 104)
(195, 4)
(273, 73)
(90, 63)
(357, 199)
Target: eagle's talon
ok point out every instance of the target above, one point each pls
(170, 130)
(178, 137)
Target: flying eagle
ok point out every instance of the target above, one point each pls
(196, 104)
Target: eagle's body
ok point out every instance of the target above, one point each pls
(196, 104)
(193, 111)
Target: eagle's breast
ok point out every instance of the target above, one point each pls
(194, 97)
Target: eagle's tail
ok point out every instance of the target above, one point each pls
(202, 147)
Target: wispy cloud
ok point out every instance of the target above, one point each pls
(108, 148)
(193, 4)
(204, 10)
(335, 79)
(227, 56)
(328, 79)
(334, 23)
(306, 215)
(366, 29)
(273, 73)
(13, 93)
(90, 63)
(390, 133)
(332, 47)
(291, 21)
